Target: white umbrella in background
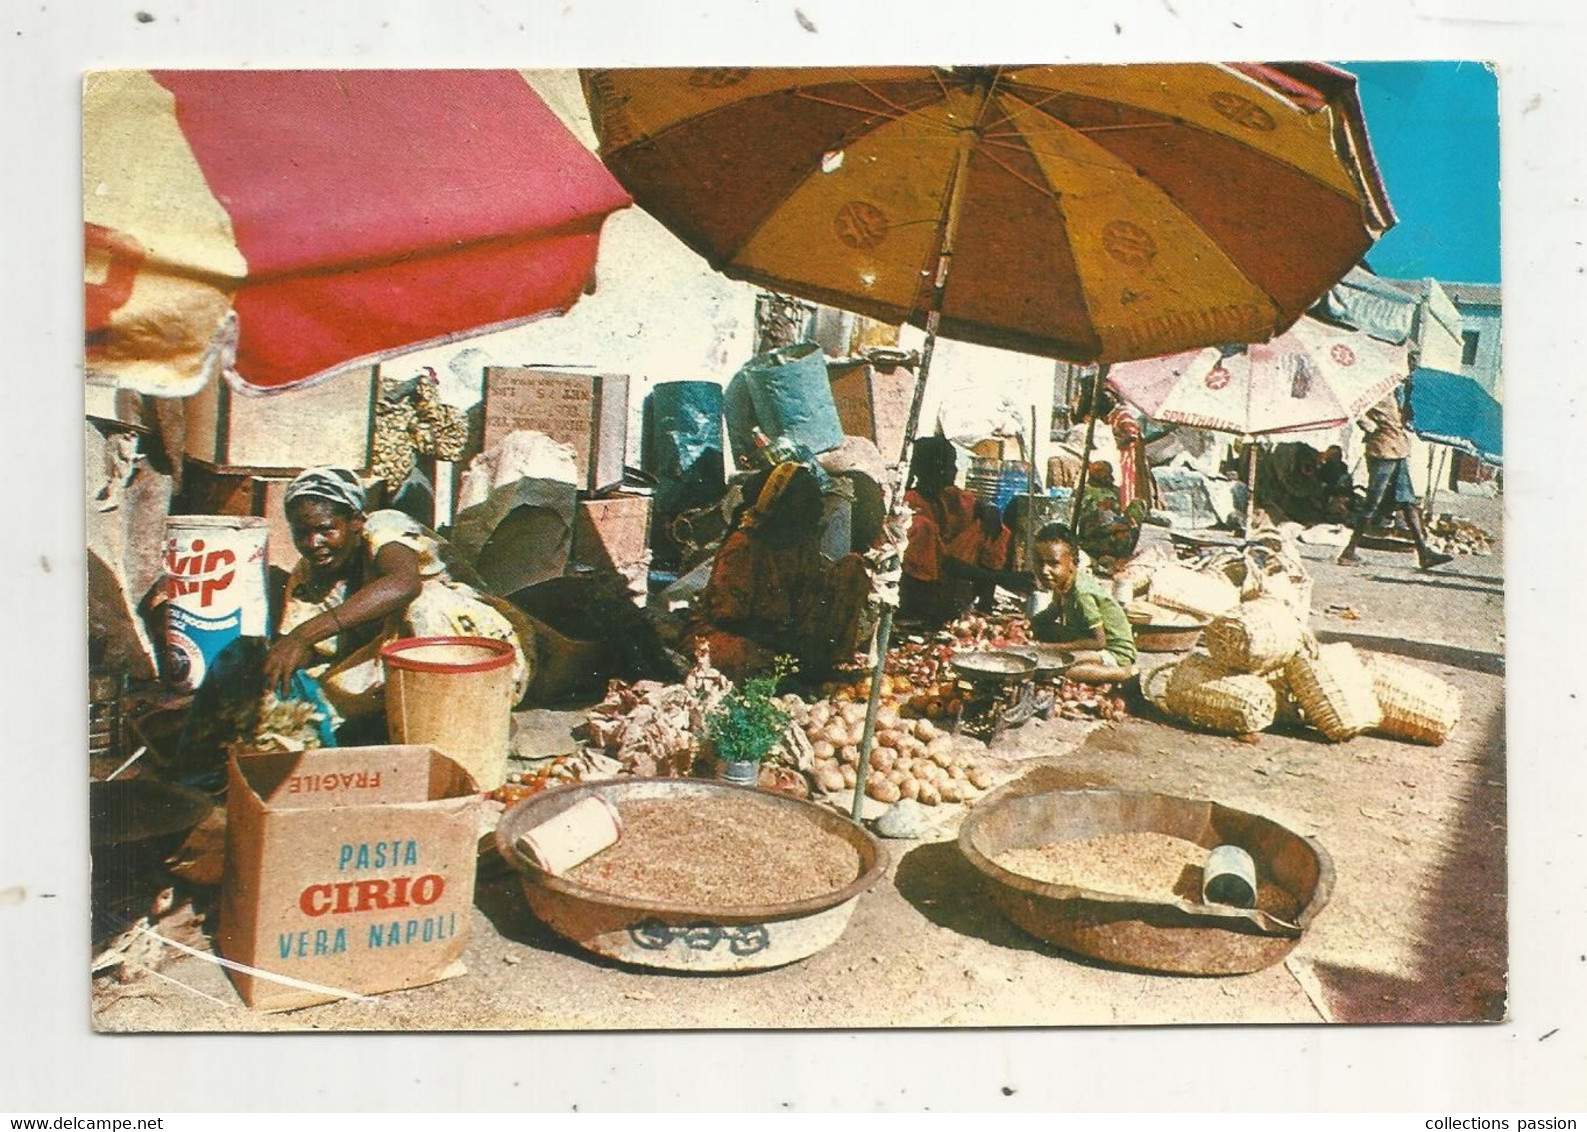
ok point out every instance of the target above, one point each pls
(1313, 376)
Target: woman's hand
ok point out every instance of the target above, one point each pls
(285, 657)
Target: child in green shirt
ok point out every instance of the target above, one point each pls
(1083, 613)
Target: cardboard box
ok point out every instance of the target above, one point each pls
(874, 403)
(586, 410)
(347, 869)
(611, 533)
(329, 422)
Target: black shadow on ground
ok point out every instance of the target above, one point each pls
(502, 901)
(946, 889)
(1485, 584)
(1466, 978)
(1475, 660)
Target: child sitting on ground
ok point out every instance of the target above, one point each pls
(1082, 614)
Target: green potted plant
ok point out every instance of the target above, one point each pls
(747, 724)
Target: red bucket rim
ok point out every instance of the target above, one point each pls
(391, 654)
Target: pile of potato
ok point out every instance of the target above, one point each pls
(911, 758)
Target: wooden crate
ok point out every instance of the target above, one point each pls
(611, 532)
(873, 403)
(586, 410)
(330, 422)
(218, 491)
(104, 400)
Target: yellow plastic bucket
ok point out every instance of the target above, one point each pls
(453, 694)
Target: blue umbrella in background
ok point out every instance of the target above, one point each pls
(1448, 408)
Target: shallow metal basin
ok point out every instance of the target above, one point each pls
(1171, 936)
(683, 937)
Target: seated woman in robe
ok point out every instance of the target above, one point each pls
(958, 545)
(772, 593)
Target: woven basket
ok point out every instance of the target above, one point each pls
(1334, 690)
(1259, 636)
(1203, 692)
(1285, 578)
(1294, 592)
(1417, 706)
(1242, 573)
(1288, 713)
(1193, 591)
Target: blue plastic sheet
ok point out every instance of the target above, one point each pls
(1449, 408)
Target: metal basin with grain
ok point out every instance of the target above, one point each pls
(687, 937)
(1171, 936)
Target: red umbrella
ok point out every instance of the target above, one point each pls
(283, 224)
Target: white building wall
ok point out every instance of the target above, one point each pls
(1487, 369)
(659, 311)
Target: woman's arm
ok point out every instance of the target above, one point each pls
(396, 583)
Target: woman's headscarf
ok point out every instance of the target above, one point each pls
(777, 481)
(335, 485)
(933, 455)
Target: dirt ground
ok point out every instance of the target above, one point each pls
(1415, 930)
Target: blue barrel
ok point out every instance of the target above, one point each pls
(683, 419)
(998, 481)
(792, 396)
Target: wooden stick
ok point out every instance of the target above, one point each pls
(1085, 462)
(1250, 484)
(884, 632)
(884, 627)
(1030, 516)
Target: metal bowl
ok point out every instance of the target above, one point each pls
(685, 937)
(994, 665)
(1167, 638)
(1172, 936)
(130, 811)
(1050, 659)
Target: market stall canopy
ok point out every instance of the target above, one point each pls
(1368, 303)
(1450, 408)
(1311, 377)
(1097, 213)
(283, 224)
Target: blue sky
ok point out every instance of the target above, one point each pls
(1435, 133)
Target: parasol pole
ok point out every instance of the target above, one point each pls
(939, 286)
(1030, 516)
(952, 208)
(1085, 462)
(1432, 479)
(1250, 484)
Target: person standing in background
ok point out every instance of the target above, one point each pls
(1389, 482)
(1135, 471)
